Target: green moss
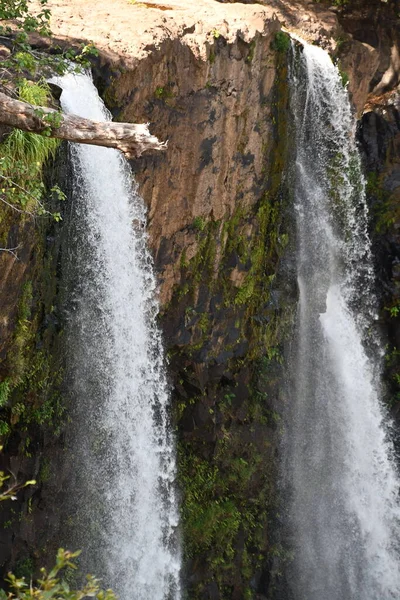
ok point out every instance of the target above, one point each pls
(5, 389)
(204, 322)
(343, 76)
(32, 381)
(260, 254)
(183, 262)
(45, 471)
(24, 568)
(18, 356)
(202, 264)
(164, 93)
(228, 483)
(281, 42)
(252, 48)
(199, 223)
(110, 97)
(31, 375)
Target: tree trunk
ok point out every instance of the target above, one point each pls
(132, 139)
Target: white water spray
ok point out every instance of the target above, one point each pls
(344, 510)
(124, 459)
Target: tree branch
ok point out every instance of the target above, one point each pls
(132, 139)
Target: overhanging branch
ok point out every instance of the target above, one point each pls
(131, 138)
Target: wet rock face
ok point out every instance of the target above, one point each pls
(216, 115)
(215, 204)
(379, 135)
(15, 268)
(375, 24)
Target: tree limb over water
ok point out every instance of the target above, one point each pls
(131, 138)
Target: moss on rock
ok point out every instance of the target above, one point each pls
(227, 365)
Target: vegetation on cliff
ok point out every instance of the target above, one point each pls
(233, 315)
(132, 139)
(226, 398)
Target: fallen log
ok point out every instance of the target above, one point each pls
(131, 138)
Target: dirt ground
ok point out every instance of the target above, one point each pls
(130, 29)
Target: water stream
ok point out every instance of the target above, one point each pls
(125, 511)
(344, 513)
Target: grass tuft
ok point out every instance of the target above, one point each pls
(24, 155)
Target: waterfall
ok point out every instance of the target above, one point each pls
(343, 488)
(123, 509)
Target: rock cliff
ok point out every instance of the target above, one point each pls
(212, 79)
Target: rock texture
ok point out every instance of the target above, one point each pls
(212, 80)
(379, 135)
(211, 77)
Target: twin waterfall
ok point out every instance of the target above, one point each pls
(342, 505)
(343, 490)
(126, 509)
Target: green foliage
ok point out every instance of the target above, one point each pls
(252, 49)
(226, 462)
(34, 93)
(343, 76)
(211, 518)
(24, 568)
(24, 61)
(281, 42)
(4, 428)
(393, 310)
(199, 223)
(19, 12)
(225, 496)
(29, 392)
(164, 93)
(5, 389)
(23, 157)
(9, 493)
(386, 205)
(52, 584)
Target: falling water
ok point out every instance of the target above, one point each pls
(124, 512)
(344, 512)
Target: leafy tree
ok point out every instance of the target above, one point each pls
(21, 62)
(9, 493)
(50, 585)
(22, 71)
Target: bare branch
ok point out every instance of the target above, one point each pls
(131, 138)
(11, 251)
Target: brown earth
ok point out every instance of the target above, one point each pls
(131, 31)
(185, 67)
